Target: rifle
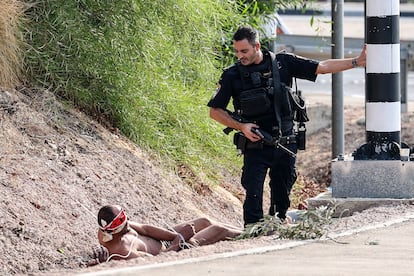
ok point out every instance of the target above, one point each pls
(265, 136)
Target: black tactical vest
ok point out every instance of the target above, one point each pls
(255, 102)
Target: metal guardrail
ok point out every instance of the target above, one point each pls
(318, 47)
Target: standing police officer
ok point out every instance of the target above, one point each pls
(249, 82)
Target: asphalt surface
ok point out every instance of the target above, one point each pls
(386, 248)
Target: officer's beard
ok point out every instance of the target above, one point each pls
(255, 58)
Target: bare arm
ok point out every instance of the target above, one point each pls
(152, 231)
(224, 118)
(339, 65)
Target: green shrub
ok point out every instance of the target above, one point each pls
(146, 67)
(149, 67)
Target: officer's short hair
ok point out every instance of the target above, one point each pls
(246, 32)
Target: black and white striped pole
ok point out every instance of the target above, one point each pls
(382, 91)
(378, 168)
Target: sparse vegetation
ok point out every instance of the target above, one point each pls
(10, 43)
(312, 224)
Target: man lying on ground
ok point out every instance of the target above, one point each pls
(121, 238)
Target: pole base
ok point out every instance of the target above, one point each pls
(378, 151)
(373, 179)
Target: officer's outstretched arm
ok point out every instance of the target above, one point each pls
(338, 65)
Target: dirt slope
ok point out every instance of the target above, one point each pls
(58, 167)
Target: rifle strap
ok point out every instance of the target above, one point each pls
(277, 90)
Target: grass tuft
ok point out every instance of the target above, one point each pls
(10, 43)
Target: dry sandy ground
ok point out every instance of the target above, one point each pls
(58, 167)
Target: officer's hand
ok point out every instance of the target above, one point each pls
(361, 59)
(247, 131)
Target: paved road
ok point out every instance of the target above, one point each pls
(379, 249)
(353, 25)
(353, 80)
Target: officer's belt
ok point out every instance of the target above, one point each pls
(284, 140)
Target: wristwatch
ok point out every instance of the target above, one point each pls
(354, 63)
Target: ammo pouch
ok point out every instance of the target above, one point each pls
(254, 102)
(301, 136)
(299, 115)
(297, 104)
(240, 141)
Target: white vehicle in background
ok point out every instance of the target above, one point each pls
(273, 27)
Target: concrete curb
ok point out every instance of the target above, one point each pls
(260, 250)
(345, 207)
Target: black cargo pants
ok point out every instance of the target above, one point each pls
(282, 174)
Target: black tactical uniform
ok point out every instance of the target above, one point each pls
(258, 157)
